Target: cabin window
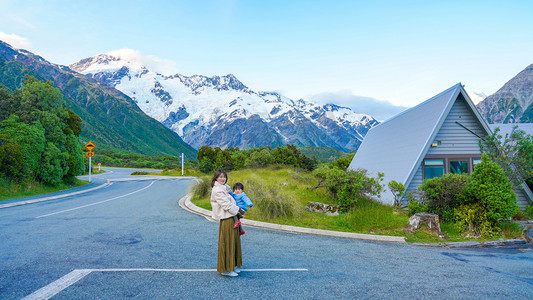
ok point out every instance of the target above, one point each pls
(476, 161)
(433, 168)
(458, 167)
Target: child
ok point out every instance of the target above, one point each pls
(243, 202)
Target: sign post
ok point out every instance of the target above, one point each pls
(90, 146)
(182, 160)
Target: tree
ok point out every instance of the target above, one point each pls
(397, 189)
(514, 153)
(261, 159)
(206, 152)
(31, 140)
(347, 186)
(51, 167)
(11, 160)
(284, 156)
(343, 163)
(490, 188)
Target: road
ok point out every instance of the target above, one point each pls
(132, 240)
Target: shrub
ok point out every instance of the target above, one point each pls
(140, 173)
(397, 189)
(472, 220)
(206, 165)
(270, 202)
(347, 186)
(529, 211)
(443, 194)
(519, 215)
(416, 207)
(261, 158)
(201, 189)
(492, 190)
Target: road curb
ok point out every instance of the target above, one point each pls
(54, 197)
(108, 183)
(185, 203)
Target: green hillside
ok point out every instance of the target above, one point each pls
(111, 120)
(323, 154)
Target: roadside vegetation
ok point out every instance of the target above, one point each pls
(281, 192)
(11, 190)
(39, 145)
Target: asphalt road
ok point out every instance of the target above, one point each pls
(132, 240)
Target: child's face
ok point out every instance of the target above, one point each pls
(238, 191)
(221, 179)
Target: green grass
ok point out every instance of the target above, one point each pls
(12, 190)
(293, 186)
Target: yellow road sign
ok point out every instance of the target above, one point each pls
(89, 154)
(90, 146)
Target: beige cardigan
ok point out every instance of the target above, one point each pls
(222, 203)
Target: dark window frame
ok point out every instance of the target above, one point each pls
(451, 157)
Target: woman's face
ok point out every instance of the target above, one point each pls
(221, 178)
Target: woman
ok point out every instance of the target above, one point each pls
(229, 242)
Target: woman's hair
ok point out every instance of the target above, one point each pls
(217, 173)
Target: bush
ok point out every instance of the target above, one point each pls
(270, 202)
(492, 190)
(443, 194)
(140, 173)
(416, 207)
(206, 165)
(261, 158)
(347, 186)
(472, 220)
(201, 188)
(529, 211)
(397, 189)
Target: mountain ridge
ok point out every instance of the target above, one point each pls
(513, 102)
(110, 118)
(221, 110)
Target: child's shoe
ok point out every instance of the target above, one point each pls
(241, 233)
(237, 224)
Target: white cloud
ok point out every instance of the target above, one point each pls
(15, 40)
(379, 109)
(162, 66)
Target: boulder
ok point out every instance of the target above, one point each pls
(430, 220)
(323, 208)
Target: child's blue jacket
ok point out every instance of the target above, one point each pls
(243, 201)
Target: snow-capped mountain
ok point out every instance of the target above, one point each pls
(477, 97)
(221, 111)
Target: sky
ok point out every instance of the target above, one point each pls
(376, 57)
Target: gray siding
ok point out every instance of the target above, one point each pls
(521, 197)
(454, 138)
(416, 181)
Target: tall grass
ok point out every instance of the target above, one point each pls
(10, 189)
(271, 202)
(280, 195)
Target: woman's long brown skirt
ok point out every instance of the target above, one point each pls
(229, 247)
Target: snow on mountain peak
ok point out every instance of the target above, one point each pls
(199, 108)
(130, 58)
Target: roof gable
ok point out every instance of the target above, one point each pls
(397, 146)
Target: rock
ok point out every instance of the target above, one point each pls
(528, 233)
(431, 221)
(284, 184)
(322, 208)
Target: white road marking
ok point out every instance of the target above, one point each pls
(57, 286)
(64, 282)
(99, 202)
